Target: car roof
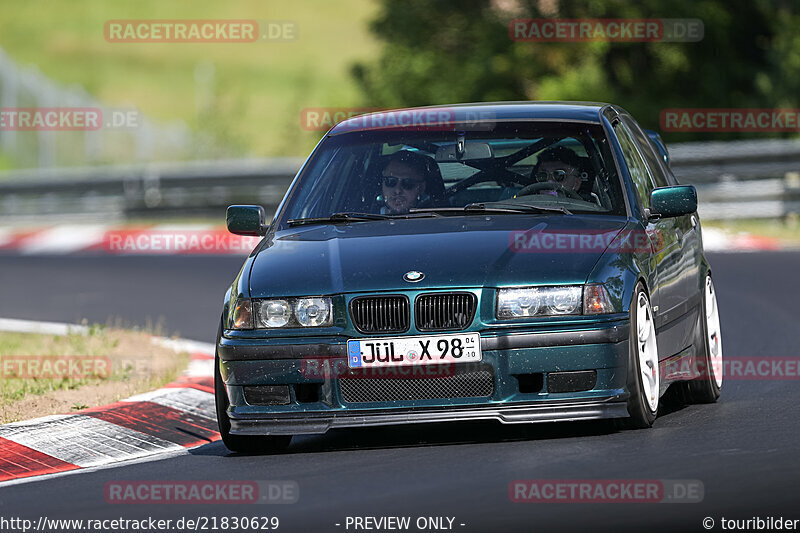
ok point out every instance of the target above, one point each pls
(476, 112)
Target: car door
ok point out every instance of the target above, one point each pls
(687, 234)
(667, 294)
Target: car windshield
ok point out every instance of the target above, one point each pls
(505, 168)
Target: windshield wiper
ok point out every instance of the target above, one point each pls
(496, 208)
(350, 217)
(337, 217)
(526, 208)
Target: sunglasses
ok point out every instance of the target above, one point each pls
(390, 182)
(558, 175)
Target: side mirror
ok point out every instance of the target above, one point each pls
(247, 220)
(674, 201)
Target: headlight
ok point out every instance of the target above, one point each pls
(272, 313)
(552, 301)
(538, 301)
(313, 312)
(241, 314)
(518, 303)
(293, 312)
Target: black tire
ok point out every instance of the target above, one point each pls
(640, 414)
(251, 444)
(704, 388)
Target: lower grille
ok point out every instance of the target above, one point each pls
(473, 383)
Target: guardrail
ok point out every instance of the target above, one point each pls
(741, 179)
(737, 179)
(705, 162)
(199, 188)
(758, 198)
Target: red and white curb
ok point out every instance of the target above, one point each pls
(720, 240)
(125, 240)
(179, 416)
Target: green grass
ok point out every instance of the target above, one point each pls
(260, 87)
(25, 344)
(6, 162)
(131, 356)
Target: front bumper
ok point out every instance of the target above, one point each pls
(604, 350)
(520, 413)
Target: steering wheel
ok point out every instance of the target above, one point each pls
(549, 186)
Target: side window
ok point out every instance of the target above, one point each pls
(648, 151)
(638, 170)
(318, 200)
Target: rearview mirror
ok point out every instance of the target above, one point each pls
(247, 220)
(674, 201)
(472, 150)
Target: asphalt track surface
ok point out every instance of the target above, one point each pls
(744, 449)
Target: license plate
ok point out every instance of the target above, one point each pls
(421, 350)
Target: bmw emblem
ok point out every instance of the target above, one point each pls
(413, 276)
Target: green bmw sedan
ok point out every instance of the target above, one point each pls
(518, 262)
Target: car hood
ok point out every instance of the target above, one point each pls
(461, 251)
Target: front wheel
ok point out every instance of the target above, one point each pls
(241, 443)
(643, 372)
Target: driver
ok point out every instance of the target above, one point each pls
(403, 182)
(558, 165)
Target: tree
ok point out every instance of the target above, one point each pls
(438, 52)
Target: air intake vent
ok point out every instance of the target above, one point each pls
(476, 382)
(380, 314)
(443, 312)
